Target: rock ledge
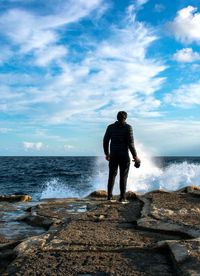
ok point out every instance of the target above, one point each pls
(157, 233)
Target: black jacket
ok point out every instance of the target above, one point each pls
(121, 137)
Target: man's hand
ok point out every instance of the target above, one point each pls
(108, 157)
(137, 161)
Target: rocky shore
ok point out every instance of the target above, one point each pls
(157, 233)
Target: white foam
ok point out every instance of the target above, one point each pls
(149, 176)
(55, 188)
(144, 178)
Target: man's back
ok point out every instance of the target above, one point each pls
(121, 137)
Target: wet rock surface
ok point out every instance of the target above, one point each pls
(154, 234)
(12, 225)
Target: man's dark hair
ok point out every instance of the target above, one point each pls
(121, 116)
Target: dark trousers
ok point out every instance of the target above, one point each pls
(123, 162)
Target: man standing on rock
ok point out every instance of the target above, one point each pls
(120, 136)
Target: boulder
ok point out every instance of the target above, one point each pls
(195, 190)
(14, 198)
(99, 193)
(130, 195)
(40, 221)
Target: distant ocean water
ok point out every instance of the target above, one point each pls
(48, 177)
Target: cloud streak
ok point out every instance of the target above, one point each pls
(186, 96)
(112, 76)
(66, 70)
(171, 137)
(113, 72)
(38, 34)
(33, 146)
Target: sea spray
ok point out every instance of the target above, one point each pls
(172, 177)
(150, 176)
(55, 188)
(144, 178)
(176, 176)
(60, 177)
(138, 179)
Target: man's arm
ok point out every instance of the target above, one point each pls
(131, 145)
(106, 141)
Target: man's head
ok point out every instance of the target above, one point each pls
(121, 116)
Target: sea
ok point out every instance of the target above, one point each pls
(68, 176)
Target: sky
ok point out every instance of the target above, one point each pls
(67, 67)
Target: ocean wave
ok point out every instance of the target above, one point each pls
(171, 178)
(56, 188)
(150, 176)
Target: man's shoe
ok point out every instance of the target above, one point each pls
(110, 197)
(123, 200)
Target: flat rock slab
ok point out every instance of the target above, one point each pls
(127, 262)
(89, 235)
(93, 236)
(171, 212)
(90, 210)
(101, 241)
(187, 256)
(179, 208)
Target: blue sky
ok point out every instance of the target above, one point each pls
(67, 67)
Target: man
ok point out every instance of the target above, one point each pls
(121, 136)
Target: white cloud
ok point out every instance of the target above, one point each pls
(5, 54)
(34, 32)
(141, 2)
(170, 137)
(114, 73)
(68, 147)
(47, 55)
(186, 55)
(4, 130)
(25, 26)
(135, 7)
(159, 7)
(185, 96)
(33, 146)
(195, 67)
(46, 135)
(186, 25)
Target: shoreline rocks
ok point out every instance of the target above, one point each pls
(157, 233)
(15, 198)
